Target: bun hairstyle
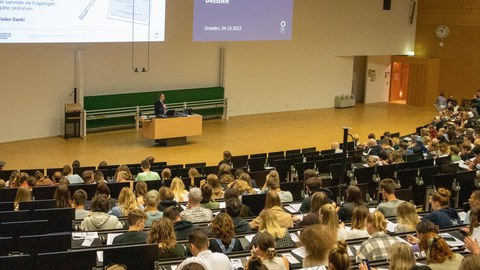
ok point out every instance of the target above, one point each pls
(338, 257)
(255, 263)
(378, 221)
(442, 196)
(266, 243)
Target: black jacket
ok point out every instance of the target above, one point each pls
(183, 228)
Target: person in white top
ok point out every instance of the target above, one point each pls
(198, 241)
(358, 227)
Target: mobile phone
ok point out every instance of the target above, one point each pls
(367, 262)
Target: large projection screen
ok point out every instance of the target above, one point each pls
(63, 21)
(239, 20)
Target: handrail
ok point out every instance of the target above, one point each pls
(134, 111)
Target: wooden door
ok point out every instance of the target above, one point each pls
(423, 79)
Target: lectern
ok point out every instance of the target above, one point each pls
(73, 116)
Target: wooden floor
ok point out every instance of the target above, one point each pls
(241, 135)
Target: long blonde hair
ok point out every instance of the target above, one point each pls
(178, 188)
(328, 217)
(407, 215)
(377, 220)
(269, 223)
(401, 257)
(127, 201)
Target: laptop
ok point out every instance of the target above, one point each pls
(170, 113)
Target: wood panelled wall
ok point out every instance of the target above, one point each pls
(460, 54)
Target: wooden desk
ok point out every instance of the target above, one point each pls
(172, 131)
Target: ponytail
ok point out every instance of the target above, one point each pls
(378, 221)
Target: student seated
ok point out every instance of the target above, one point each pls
(152, 200)
(358, 227)
(126, 203)
(233, 207)
(314, 185)
(98, 219)
(390, 202)
(79, 199)
(146, 174)
(195, 212)
(269, 223)
(198, 242)
(224, 240)
(442, 215)
(272, 202)
(265, 251)
(376, 247)
(182, 227)
(135, 234)
(318, 240)
(439, 255)
(162, 233)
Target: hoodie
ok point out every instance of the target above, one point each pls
(100, 221)
(241, 225)
(167, 203)
(183, 228)
(305, 208)
(444, 217)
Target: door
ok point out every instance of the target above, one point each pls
(417, 80)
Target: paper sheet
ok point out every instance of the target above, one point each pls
(100, 256)
(249, 237)
(291, 259)
(391, 226)
(295, 238)
(221, 205)
(462, 215)
(83, 235)
(301, 252)
(111, 236)
(295, 206)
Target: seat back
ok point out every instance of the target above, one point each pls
(240, 161)
(386, 171)
(64, 260)
(256, 202)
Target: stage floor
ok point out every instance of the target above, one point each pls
(241, 135)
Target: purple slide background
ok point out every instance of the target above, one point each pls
(259, 19)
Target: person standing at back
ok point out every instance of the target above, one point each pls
(147, 175)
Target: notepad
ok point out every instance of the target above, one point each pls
(301, 252)
(451, 241)
(291, 259)
(391, 227)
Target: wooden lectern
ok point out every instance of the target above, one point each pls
(172, 131)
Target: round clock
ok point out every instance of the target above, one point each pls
(442, 31)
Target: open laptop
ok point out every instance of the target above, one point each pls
(170, 113)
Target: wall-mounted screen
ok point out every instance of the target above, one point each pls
(50, 21)
(236, 20)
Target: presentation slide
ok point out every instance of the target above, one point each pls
(62, 21)
(236, 20)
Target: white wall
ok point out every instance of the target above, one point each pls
(379, 89)
(264, 76)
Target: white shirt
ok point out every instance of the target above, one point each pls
(210, 260)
